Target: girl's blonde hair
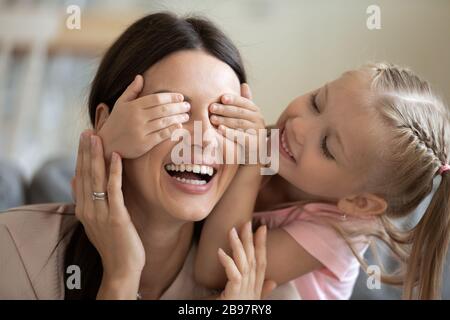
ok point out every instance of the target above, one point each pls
(419, 125)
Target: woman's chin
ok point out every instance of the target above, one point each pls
(189, 209)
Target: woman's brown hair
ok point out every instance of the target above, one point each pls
(143, 44)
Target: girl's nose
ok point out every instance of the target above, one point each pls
(299, 128)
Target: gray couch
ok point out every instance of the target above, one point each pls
(12, 185)
(52, 184)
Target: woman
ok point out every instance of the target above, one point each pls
(143, 245)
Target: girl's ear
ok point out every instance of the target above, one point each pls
(365, 204)
(101, 114)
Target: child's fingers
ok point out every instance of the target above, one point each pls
(235, 100)
(154, 138)
(234, 112)
(260, 256)
(239, 256)
(98, 174)
(133, 90)
(246, 92)
(157, 99)
(114, 187)
(235, 123)
(166, 110)
(158, 124)
(247, 139)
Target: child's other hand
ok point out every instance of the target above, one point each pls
(246, 270)
(136, 125)
(239, 120)
(237, 112)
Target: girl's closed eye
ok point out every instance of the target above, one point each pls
(326, 152)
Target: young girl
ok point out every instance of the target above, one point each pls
(356, 155)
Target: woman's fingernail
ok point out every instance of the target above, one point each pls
(180, 97)
(187, 105)
(226, 98)
(214, 118)
(214, 107)
(114, 157)
(234, 233)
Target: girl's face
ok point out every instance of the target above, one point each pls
(202, 79)
(328, 138)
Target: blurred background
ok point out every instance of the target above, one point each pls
(289, 47)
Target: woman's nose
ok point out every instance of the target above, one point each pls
(200, 126)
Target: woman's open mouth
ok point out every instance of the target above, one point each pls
(284, 146)
(192, 178)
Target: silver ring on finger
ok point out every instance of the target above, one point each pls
(99, 196)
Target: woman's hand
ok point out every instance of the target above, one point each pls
(145, 121)
(240, 119)
(107, 222)
(246, 270)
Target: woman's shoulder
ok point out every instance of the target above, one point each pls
(42, 208)
(30, 220)
(32, 243)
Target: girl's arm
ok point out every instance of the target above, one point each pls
(286, 259)
(237, 204)
(234, 209)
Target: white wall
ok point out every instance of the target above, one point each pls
(292, 46)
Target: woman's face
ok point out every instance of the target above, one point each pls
(202, 79)
(330, 137)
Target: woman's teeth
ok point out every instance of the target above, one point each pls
(195, 168)
(284, 144)
(190, 173)
(190, 181)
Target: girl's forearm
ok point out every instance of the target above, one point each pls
(233, 210)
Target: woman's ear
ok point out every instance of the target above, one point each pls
(101, 114)
(365, 204)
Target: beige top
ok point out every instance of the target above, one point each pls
(32, 243)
